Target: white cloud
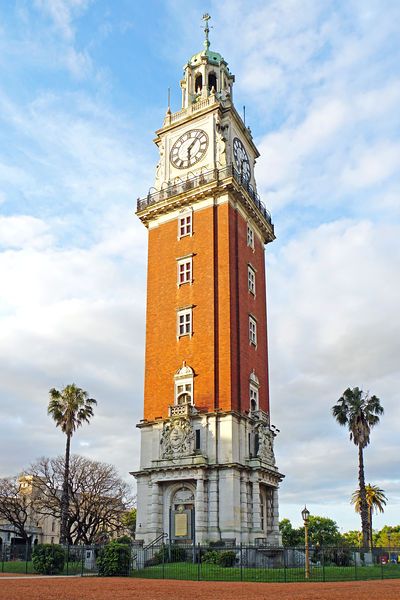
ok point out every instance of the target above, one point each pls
(62, 13)
(24, 230)
(372, 164)
(321, 91)
(333, 303)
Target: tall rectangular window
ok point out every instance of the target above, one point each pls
(251, 279)
(184, 271)
(252, 331)
(185, 225)
(250, 237)
(253, 397)
(184, 322)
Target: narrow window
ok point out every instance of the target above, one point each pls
(212, 81)
(252, 331)
(184, 322)
(250, 237)
(251, 279)
(198, 83)
(262, 512)
(253, 397)
(184, 271)
(185, 225)
(184, 385)
(197, 447)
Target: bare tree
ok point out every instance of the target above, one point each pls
(15, 506)
(98, 497)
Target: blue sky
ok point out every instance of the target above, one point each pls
(83, 87)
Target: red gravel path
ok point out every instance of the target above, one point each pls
(121, 588)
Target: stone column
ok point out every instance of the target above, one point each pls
(275, 533)
(201, 510)
(256, 506)
(244, 509)
(154, 518)
(213, 517)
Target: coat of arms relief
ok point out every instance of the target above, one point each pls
(177, 439)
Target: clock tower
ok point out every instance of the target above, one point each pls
(206, 436)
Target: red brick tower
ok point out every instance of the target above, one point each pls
(206, 436)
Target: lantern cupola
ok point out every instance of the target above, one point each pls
(206, 73)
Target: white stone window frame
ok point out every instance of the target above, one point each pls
(184, 319)
(253, 395)
(254, 386)
(187, 388)
(184, 383)
(252, 330)
(250, 236)
(251, 279)
(185, 224)
(184, 261)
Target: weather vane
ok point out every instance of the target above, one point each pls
(206, 17)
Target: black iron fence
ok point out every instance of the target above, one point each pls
(193, 181)
(79, 560)
(216, 562)
(264, 563)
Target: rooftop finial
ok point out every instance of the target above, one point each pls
(206, 18)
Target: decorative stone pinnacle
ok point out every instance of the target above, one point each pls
(206, 17)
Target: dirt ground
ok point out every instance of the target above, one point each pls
(118, 588)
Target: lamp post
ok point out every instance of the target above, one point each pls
(389, 534)
(305, 514)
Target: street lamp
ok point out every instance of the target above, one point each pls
(389, 534)
(305, 514)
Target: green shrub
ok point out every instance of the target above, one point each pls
(210, 557)
(124, 539)
(113, 559)
(227, 558)
(177, 554)
(48, 559)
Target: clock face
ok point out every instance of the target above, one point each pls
(241, 159)
(189, 149)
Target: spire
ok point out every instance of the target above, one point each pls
(206, 18)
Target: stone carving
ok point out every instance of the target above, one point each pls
(160, 167)
(177, 439)
(184, 371)
(221, 143)
(183, 496)
(265, 443)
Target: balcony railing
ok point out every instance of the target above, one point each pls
(217, 175)
(181, 410)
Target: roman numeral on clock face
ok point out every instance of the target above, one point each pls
(189, 148)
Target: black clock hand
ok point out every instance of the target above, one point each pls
(191, 146)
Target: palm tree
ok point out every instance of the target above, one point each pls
(360, 412)
(69, 409)
(376, 500)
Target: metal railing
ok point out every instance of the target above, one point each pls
(219, 561)
(261, 562)
(191, 182)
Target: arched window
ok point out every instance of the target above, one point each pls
(212, 81)
(184, 385)
(254, 386)
(198, 83)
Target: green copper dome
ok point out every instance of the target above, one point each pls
(212, 57)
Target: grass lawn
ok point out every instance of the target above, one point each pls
(20, 566)
(209, 572)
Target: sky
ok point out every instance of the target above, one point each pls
(83, 87)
